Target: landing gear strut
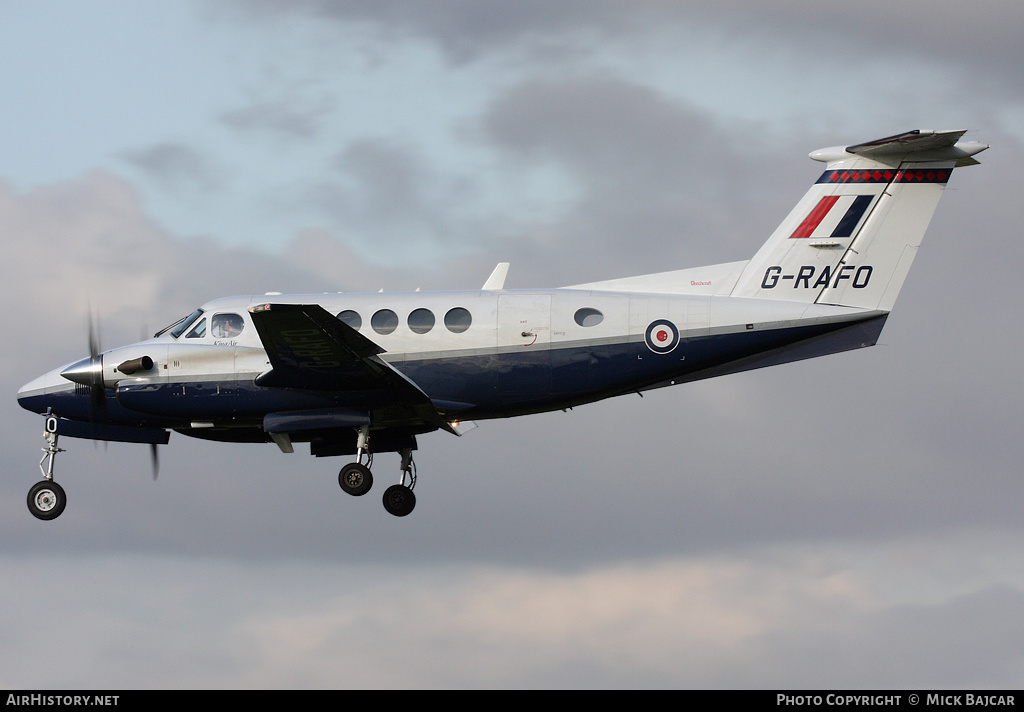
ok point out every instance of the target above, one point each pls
(356, 479)
(46, 499)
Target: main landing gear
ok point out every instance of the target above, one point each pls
(356, 479)
(46, 499)
(399, 499)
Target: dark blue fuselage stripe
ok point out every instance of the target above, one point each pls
(498, 385)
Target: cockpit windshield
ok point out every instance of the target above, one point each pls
(178, 328)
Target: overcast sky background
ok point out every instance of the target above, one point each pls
(853, 521)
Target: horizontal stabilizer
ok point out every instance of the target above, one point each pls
(909, 142)
(917, 146)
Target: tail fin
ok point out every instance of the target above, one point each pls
(851, 239)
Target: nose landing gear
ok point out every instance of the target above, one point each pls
(46, 499)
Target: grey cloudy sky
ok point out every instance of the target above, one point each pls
(852, 521)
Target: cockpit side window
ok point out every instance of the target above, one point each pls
(178, 327)
(198, 331)
(226, 326)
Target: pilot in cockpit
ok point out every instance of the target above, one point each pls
(227, 326)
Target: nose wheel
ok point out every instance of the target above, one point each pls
(46, 500)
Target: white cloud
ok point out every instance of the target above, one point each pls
(789, 616)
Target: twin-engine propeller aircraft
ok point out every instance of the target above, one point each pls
(359, 374)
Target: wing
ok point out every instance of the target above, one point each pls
(311, 350)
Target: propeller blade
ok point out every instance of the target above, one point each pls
(97, 403)
(97, 394)
(154, 455)
(94, 339)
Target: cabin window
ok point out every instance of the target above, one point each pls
(384, 322)
(351, 318)
(588, 317)
(226, 326)
(458, 320)
(198, 331)
(421, 321)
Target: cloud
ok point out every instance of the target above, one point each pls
(386, 194)
(396, 208)
(468, 30)
(282, 116)
(987, 41)
(646, 167)
(175, 167)
(463, 29)
(816, 615)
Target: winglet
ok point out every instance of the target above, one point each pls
(497, 279)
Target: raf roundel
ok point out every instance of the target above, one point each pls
(661, 336)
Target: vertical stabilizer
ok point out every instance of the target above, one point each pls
(851, 239)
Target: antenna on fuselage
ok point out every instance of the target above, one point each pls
(497, 279)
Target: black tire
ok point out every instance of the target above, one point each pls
(355, 479)
(399, 500)
(46, 500)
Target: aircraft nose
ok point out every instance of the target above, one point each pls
(23, 394)
(44, 392)
(30, 396)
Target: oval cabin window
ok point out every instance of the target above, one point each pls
(384, 322)
(457, 320)
(351, 318)
(588, 317)
(421, 321)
